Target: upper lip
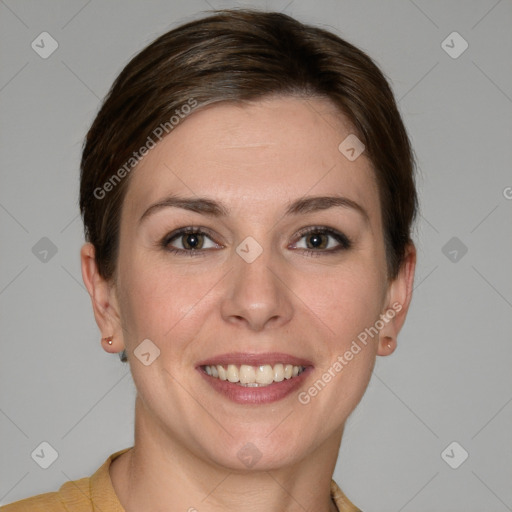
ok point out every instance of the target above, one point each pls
(254, 359)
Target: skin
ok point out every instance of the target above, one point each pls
(254, 158)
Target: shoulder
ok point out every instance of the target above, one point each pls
(39, 503)
(342, 502)
(84, 495)
(75, 493)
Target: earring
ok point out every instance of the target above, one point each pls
(389, 344)
(122, 354)
(108, 339)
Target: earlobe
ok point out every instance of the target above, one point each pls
(399, 297)
(387, 345)
(102, 298)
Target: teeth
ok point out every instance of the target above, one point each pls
(265, 374)
(254, 376)
(222, 373)
(247, 374)
(278, 372)
(232, 373)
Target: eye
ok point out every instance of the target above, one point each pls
(320, 239)
(190, 240)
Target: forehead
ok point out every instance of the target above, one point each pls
(259, 155)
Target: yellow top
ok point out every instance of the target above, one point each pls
(96, 494)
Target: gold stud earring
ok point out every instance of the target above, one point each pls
(108, 339)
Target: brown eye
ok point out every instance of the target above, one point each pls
(322, 240)
(192, 240)
(317, 240)
(188, 240)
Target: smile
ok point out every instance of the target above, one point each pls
(254, 376)
(250, 378)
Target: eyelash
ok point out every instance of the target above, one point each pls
(342, 239)
(344, 242)
(180, 232)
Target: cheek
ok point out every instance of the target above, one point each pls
(349, 308)
(158, 301)
(347, 299)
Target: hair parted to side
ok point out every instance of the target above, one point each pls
(237, 56)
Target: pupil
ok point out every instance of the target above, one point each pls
(192, 241)
(316, 240)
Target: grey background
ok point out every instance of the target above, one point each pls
(449, 380)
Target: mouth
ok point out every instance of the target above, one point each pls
(255, 378)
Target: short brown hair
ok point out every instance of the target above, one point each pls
(240, 55)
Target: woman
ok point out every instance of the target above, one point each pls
(247, 193)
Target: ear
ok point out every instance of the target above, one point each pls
(398, 299)
(104, 300)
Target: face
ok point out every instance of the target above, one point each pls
(264, 275)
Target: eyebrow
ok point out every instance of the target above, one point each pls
(213, 208)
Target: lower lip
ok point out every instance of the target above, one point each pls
(257, 395)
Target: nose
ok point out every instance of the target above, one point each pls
(257, 295)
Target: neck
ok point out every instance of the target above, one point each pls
(160, 471)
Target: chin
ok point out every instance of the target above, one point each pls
(261, 448)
